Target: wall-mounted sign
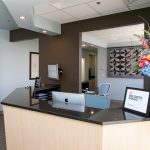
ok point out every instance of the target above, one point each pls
(137, 101)
(53, 71)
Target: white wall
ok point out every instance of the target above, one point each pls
(122, 44)
(118, 85)
(14, 63)
(92, 40)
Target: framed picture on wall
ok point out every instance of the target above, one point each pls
(34, 65)
(122, 60)
(137, 101)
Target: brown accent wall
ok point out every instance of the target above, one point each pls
(66, 48)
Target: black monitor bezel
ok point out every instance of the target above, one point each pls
(135, 111)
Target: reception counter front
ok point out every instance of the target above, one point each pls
(33, 124)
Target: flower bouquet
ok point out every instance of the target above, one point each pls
(143, 63)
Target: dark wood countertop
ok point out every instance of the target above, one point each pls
(22, 98)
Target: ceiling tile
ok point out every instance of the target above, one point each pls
(114, 11)
(43, 8)
(81, 11)
(119, 34)
(108, 6)
(67, 20)
(58, 16)
(88, 16)
(140, 6)
(60, 4)
(137, 4)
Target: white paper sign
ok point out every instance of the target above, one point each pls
(136, 100)
(53, 71)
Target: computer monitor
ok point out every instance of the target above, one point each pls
(73, 98)
(70, 101)
(137, 101)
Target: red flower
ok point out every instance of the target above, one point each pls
(141, 64)
(143, 58)
(143, 61)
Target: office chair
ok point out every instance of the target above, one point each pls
(103, 89)
(102, 100)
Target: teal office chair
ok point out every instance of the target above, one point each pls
(97, 101)
(102, 100)
(103, 89)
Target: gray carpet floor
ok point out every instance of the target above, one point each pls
(2, 134)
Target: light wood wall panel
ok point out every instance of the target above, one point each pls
(128, 136)
(29, 130)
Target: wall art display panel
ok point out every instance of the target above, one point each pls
(121, 62)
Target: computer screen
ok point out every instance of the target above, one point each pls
(73, 98)
(53, 71)
(137, 100)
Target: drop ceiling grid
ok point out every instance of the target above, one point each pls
(63, 11)
(108, 6)
(61, 4)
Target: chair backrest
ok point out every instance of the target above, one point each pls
(104, 88)
(97, 101)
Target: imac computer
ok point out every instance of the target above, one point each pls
(70, 101)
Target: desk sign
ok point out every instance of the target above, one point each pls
(137, 101)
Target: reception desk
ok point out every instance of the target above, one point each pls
(33, 124)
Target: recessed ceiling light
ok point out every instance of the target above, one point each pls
(83, 45)
(44, 31)
(92, 112)
(22, 17)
